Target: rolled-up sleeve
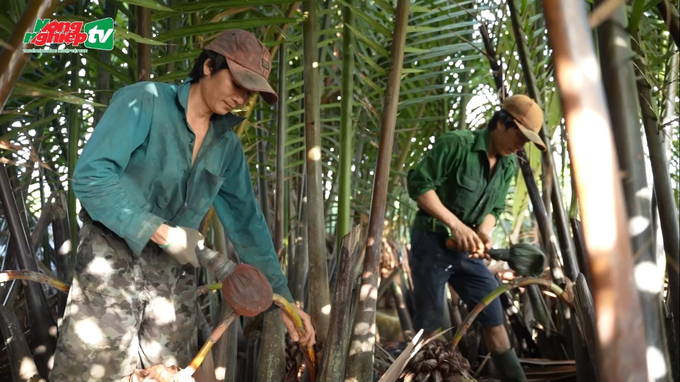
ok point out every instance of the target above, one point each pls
(123, 128)
(436, 164)
(245, 225)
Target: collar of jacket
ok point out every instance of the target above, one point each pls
(481, 143)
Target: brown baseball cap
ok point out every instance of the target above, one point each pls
(528, 117)
(249, 61)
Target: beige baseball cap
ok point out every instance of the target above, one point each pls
(249, 61)
(528, 117)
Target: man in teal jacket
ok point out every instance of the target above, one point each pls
(158, 159)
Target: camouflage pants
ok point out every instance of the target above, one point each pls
(124, 312)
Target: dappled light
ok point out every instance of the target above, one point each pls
(89, 332)
(27, 368)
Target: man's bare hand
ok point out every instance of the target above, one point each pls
(485, 237)
(309, 337)
(465, 239)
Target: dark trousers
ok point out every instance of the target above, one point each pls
(432, 266)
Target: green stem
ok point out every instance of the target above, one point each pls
(345, 189)
(497, 292)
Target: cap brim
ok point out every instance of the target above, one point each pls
(532, 136)
(252, 81)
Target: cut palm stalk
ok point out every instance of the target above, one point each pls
(564, 295)
(207, 288)
(214, 336)
(300, 328)
(33, 276)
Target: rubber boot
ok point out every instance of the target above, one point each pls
(508, 367)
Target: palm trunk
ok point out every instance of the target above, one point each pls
(62, 245)
(173, 23)
(620, 334)
(464, 99)
(104, 76)
(335, 349)
(345, 189)
(272, 352)
(75, 123)
(619, 84)
(540, 212)
(319, 301)
(279, 222)
(360, 365)
(143, 50)
(262, 162)
(272, 361)
(40, 318)
(20, 360)
(225, 350)
(669, 14)
(566, 244)
(12, 57)
(663, 189)
(72, 158)
(298, 262)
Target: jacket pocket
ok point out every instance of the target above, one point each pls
(205, 190)
(467, 192)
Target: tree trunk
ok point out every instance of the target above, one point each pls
(619, 84)
(40, 318)
(566, 244)
(669, 14)
(103, 96)
(12, 57)
(272, 362)
(319, 301)
(20, 360)
(663, 190)
(335, 349)
(62, 246)
(143, 50)
(621, 338)
(360, 365)
(225, 350)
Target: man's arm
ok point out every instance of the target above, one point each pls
(123, 127)
(464, 238)
(430, 203)
(245, 225)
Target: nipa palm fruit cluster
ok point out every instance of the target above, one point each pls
(436, 362)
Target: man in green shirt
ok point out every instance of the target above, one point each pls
(158, 159)
(460, 187)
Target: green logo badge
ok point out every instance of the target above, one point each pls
(99, 34)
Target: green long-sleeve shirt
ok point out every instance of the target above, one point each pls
(457, 169)
(135, 173)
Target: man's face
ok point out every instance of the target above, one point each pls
(221, 92)
(510, 139)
